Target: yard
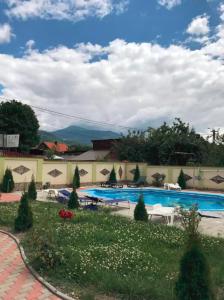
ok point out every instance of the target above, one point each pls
(100, 254)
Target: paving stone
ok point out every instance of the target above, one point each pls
(16, 281)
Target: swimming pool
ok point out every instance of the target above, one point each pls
(204, 201)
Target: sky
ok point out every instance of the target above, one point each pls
(135, 63)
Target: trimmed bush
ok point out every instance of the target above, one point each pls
(73, 202)
(32, 192)
(194, 278)
(113, 177)
(181, 180)
(76, 179)
(7, 182)
(136, 174)
(140, 212)
(24, 218)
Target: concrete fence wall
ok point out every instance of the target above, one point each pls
(60, 173)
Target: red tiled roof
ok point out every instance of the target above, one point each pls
(16, 154)
(58, 147)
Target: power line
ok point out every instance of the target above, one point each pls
(59, 114)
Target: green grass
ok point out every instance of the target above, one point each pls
(100, 254)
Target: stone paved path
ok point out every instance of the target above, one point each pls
(16, 281)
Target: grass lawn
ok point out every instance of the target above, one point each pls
(100, 254)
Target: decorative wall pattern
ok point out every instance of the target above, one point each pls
(120, 172)
(104, 172)
(21, 170)
(132, 171)
(61, 173)
(82, 172)
(217, 179)
(157, 175)
(55, 173)
(187, 177)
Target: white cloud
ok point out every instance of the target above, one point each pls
(169, 4)
(131, 84)
(216, 47)
(73, 10)
(199, 26)
(5, 33)
(221, 9)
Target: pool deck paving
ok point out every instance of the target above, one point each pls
(16, 281)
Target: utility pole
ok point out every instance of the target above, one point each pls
(215, 134)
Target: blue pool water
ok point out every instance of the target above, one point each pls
(204, 201)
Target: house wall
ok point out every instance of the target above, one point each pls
(60, 173)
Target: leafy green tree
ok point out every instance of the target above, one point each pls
(113, 177)
(140, 212)
(32, 192)
(7, 185)
(181, 180)
(18, 118)
(136, 174)
(73, 202)
(194, 281)
(76, 179)
(24, 219)
(174, 144)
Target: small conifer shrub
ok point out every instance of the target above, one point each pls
(113, 177)
(140, 212)
(24, 219)
(136, 174)
(7, 182)
(73, 202)
(32, 192)
(76, 179)
(181, 180)
(194, 278)
(194, 281)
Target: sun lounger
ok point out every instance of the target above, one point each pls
(108, 184)
(171, 186)
(140, 182)
(158, 210)
(92, 207)
(209, 214)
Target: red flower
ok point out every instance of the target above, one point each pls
(65, 214)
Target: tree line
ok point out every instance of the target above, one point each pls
(175, 144)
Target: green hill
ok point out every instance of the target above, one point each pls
(77, 135)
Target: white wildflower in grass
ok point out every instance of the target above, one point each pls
(113, 254)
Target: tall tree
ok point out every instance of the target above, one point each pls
(175, 144)
(18, 118)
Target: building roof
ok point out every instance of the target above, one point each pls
(58, 147)
(93, 155)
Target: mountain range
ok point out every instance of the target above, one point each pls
(77, 135)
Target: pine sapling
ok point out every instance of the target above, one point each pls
(73, 202)
(32, 192)
(140, 212)
(76, 179)
(24, 219)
